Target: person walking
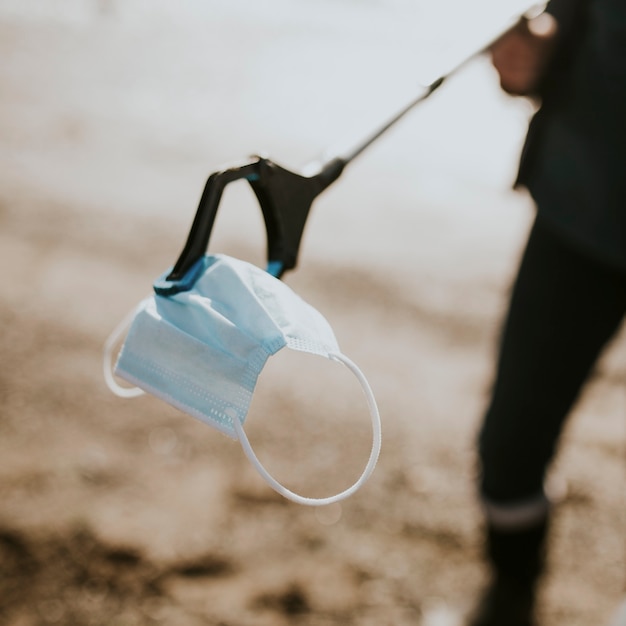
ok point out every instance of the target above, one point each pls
(569, 296)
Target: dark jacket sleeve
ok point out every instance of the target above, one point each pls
(574, 157)
(566, 12)
(572, 19)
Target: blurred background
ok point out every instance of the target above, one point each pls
(118, 512)
(133, 104)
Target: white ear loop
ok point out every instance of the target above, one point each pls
(369, 467)
(109, 346)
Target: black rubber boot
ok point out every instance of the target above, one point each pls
(517, 560)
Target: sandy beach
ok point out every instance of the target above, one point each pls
(126, 512)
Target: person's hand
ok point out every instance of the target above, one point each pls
(521, 55)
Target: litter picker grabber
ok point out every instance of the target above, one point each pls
(286, 197)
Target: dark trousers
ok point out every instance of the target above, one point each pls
(565, 307)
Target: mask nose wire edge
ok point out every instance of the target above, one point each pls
(369, 467)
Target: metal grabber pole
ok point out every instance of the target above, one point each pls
(286, 197)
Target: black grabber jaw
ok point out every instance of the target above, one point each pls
(285, 198)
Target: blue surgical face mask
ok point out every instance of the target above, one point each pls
(201, 348)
